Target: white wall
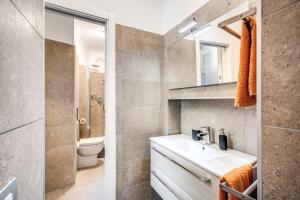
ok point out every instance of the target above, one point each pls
(175, 11)
(142, 14)
(59, 28)
(157, 16)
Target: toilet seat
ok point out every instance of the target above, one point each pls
(90, 141)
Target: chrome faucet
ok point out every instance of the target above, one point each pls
(206, 134)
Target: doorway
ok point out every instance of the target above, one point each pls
(80, 104)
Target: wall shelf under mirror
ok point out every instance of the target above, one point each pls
(221, 91)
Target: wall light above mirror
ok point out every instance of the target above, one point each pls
(205, 55)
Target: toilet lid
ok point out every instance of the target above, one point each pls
(91, 141)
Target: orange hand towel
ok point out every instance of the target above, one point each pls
(252, 65)
(239, 179)
(246, 84)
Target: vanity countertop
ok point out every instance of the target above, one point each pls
(208, 157)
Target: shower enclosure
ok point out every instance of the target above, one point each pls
(91, 102)
(96, 103)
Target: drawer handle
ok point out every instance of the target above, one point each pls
(197, 175)
(165, 182)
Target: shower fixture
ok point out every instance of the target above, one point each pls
(99, 100)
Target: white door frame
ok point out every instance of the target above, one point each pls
(81, 9)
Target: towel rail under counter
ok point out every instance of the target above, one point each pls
(242, 195)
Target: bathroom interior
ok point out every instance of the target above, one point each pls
(75, 106)
(139, 99)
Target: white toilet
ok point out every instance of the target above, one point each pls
(88, 150)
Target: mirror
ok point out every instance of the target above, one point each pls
(208, 55)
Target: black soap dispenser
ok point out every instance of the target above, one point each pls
(222, 139)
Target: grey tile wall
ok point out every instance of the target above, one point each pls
(138, 61)
(60, 115)
(280, 161)
(221, 114)
(281, 68)
(280, 99)
(22, 156)
(33, 12)
(271, 6)
(22, 129)
(21, 77)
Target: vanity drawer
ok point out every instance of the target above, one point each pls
(162, 189)
(182, 183)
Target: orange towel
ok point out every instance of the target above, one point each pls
(246, 84)
(239, 179)
(252, 65)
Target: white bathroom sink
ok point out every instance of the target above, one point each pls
(208, 157)
(184, 145)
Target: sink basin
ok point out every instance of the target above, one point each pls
(207, 157)
(201, 152)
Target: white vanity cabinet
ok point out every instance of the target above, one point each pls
(174, 178)
(182, 169)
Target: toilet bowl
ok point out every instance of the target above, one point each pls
(88, 150)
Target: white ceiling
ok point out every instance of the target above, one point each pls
(91, 35)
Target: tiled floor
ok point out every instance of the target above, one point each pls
(89, 186)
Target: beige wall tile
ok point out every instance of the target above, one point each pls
(142, 43)
(82, 98)
(281, 68)
(119, 37)
(135, 170)
(54, 114)
(140, 93)
(271, 6)
(139, 65)
(251, 131)
(22, 129)
(138, 191)
(280, 99)
(217, 114)
(143, 68)
(141, 119)
(60, 135)
(171, 36)
(60, 167)
(21, 78)
(60, 115)
(22, 156)
(96, 115)
(174, 117)
(33, 12)
(280, 163)
(135, 145)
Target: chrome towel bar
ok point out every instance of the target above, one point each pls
(242, 195)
